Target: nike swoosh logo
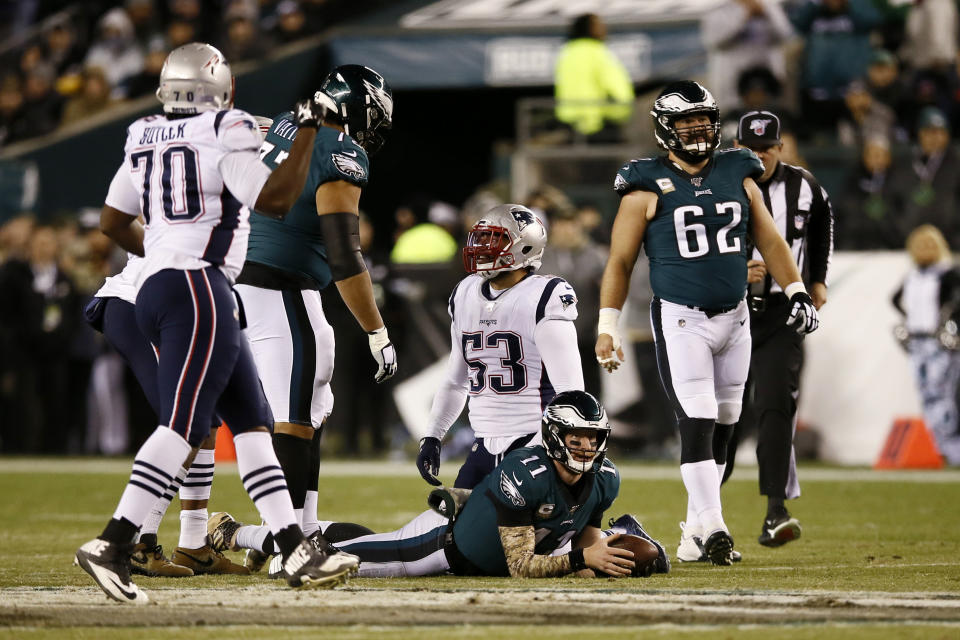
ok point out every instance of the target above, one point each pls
(741, 322)
(515, 479)
(107, 577)
(351, 154)
(203, 563)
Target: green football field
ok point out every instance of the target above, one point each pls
(879, 558)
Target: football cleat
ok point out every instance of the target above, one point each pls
(255, 559)
(307, 568)
(779, 531)
(323, 545)
(150, 561)
(222, 532)
(719, 548)
(691, 548)
(630, 525)
(108, 563)
(206, 560)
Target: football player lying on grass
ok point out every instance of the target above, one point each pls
(532, 504)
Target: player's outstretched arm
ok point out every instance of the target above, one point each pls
(780, 263)
(338, 205)
(285, 183)
(636, 209)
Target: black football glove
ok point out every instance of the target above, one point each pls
(307, 113)
(803, 315)
(428, 460)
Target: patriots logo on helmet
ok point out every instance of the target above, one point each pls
(510, 490)
(567, 299)
(523, 217)
(759, 126)
(348, 166)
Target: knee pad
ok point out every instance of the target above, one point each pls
(696, 439)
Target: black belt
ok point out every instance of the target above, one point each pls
(264, 276)
(759, 304)
(713, 311)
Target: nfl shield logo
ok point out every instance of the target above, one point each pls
(759, 126)
(696, 182)
(798, 221)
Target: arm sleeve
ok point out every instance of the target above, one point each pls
(820, 233)
(452, 394)
(244, 174)
(122, 196)
(557, 343)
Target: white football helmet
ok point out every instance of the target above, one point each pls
(195, 78)
(506, 238)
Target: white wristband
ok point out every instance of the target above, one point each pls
(608, 324)
(793, 288)
(378, 339)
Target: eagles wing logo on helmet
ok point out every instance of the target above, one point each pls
(510, 490)
(523, 217)
(348, 166)
(759, 126)
(379, 96)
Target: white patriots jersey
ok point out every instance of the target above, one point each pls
(124, 284)
(192, 220)
(508, 385)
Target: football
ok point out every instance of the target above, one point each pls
(644, 552)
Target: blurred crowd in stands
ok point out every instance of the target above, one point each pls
(62, 62)
(880, 79)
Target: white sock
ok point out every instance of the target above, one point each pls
(159, 509)
(703, 487)
(252, 536)
(692, 525)
(199, 477)
(154, 468)
(193, 528)
(721, 469)
(263, 479)
(309, 522)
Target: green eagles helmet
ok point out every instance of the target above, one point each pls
(571, 411)
(358, 99)
(680, 100)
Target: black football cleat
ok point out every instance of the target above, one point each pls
(779, 531)
(108, 563)
(719, 548)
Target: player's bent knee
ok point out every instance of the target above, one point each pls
(728, 412)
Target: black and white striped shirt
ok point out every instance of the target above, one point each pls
(802, 212)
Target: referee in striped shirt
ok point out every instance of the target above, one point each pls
(802, 213)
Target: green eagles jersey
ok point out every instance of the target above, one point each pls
(696, 242)
(526, 489)
(295, 243)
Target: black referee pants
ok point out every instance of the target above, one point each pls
(770, 397)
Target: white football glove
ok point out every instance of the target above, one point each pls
(384, 353)
(803, 315)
